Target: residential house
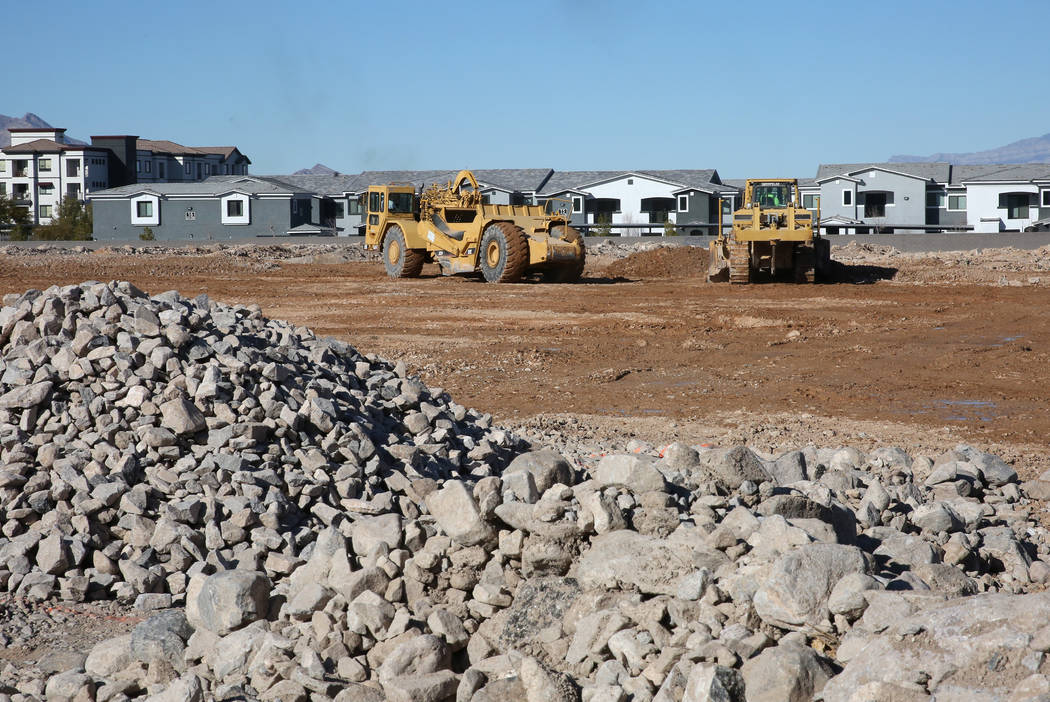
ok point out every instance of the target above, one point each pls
(641, 201)
(1006, 197)
(221, 207)
(41, 166)
(888, 197)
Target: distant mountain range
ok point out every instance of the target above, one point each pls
(317, 169)
(26, 121)
(1033, 150)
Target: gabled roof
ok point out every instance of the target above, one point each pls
(210, 187)
(224, 151)
(47, 146)
(514, 179)
(167, 147)
(704, 179)
(938, 172)
(329, 185)
(1021, 172)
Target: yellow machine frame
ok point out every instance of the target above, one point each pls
(447, 225)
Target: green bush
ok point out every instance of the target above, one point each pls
(669, 229)
(147, 234)
(73, 223)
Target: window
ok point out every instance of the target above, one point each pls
(847, 198)
(1016, 205)
(73, 190)
(3, 188)
(935, 199)
(160, 169)
(236, 209)
(340, 210)
(956, 203)
(45, 164)
(47, 189)
(198, 171)
(630, 181)
(577, 204)
(73, 168)
(810, 202)
(353, 206)
(149, 166)
(144, 209)
(295, 207)
(1046, 195)
(3, 166)
(375, 202)
(683, 203)
(45, 210)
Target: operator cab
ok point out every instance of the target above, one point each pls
(772, 194)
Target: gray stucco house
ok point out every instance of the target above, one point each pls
(221, 207)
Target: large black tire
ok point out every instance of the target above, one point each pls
(504, 253)
(572, 271)
(400, 261)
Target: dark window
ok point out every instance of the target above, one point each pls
(160, 169)
(683, 203)
(1017, 205)
(235, 208)
(1046, 198)
(375, 202)
(847, 198)
(353, 206)
(577, 204)
(935, 199)
(956, 202)
(401, 203)
(340, 209)
(144, 208)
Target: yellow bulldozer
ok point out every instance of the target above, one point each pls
(452, 226)
(772, 237)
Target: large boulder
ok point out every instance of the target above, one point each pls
(795, 595)
(229, 600)
(547, 468)
(458, 514)
(627, 559)
(786, 673)
(974, 648)
(638, 473)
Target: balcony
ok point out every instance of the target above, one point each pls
(21, 199)
(21, 173)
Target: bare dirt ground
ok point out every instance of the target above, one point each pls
(918, 350)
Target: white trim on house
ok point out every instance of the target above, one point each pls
(1044, 198)
(683, 203)
(150, 218)
(245, 216)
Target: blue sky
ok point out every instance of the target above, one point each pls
(757, 89)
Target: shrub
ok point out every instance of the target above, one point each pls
(147, 234)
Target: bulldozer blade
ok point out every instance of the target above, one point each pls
(718, 263)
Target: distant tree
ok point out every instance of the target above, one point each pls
(604, 225)
(14, 219)
(147, 234)
(669, 229)
(73, 223)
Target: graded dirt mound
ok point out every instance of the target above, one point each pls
(665, 262)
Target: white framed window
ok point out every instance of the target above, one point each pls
(47, 189)
(1045, 195)
(45, 210)
(145, 210)
(3, 166)
(45, 164)
(236, 209)
(847, 198)
(956, 203)
(935, 200)
(577, 204)
(683, 203)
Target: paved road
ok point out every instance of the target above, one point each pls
(960, 241)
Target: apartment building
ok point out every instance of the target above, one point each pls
(42, 166)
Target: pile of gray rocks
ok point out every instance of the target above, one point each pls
(311, 524)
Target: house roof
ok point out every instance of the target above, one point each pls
(209, 187)
(163, 146)
(311, 230)
(329, 185)
(36, 129)
(938, 172)
(514, 179)
(563, 181)
(47, 146)
(224, 151)
(1023, 172)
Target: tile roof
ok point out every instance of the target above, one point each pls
(330, 185)
(47, 146)
(937, 172)
(163, 146)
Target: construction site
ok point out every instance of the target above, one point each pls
(291, 472)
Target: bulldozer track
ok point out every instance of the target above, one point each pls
(739, 262)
